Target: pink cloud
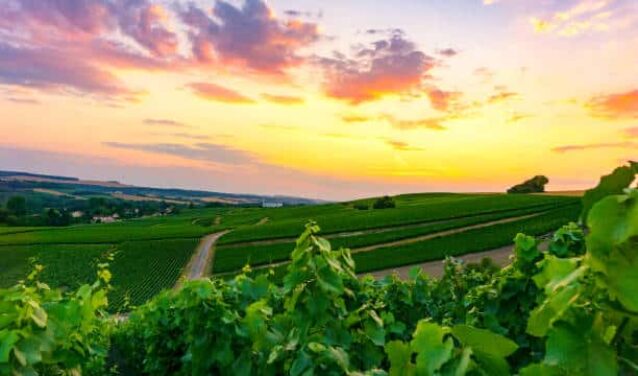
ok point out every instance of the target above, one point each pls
(49, 69)
(71, 44)
(94, 37)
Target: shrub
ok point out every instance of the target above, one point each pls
(385, 202)
(533, 185)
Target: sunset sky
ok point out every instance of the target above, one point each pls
(330, 99)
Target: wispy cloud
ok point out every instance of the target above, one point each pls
(21, 100)
(164, 122)
(402, 146)
(218, 93)
(448, 52)
(603, 145)
(502, 96)
(583, 16)
(517, 116)
(190, 136)
(434, 123)
(279, 127)
(354, 118)
(208, 152)
(282, 99)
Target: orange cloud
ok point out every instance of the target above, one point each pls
(218, 93)
(631, 132)
(282, 99)
(387, 67)
(442, 100)
(615, 106)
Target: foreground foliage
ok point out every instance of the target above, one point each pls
(44, 331)
(569, 309)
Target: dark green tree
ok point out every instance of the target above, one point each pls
(17, 205)
(385, 202)
(4, 214)
(533, 185)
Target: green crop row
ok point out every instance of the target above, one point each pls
(64, 265)
(464, 242)
(234, 257)
(348, 219)
(141, 269)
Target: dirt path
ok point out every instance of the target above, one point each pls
(202, 259)
(262, 221)
(500, 256)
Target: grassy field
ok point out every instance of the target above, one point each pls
(150, 253)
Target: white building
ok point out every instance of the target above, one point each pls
(265, 204)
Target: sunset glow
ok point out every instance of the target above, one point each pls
(327, 99)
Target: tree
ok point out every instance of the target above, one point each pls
(55, 217)
(533, 185)
(385, 202)
(17, 205)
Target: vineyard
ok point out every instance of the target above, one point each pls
(566, 308)
(151, 253)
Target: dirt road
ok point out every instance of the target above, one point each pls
(203, 257)
(500, 256)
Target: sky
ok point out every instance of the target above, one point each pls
(327, 99)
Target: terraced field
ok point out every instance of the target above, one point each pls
(151, 253)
